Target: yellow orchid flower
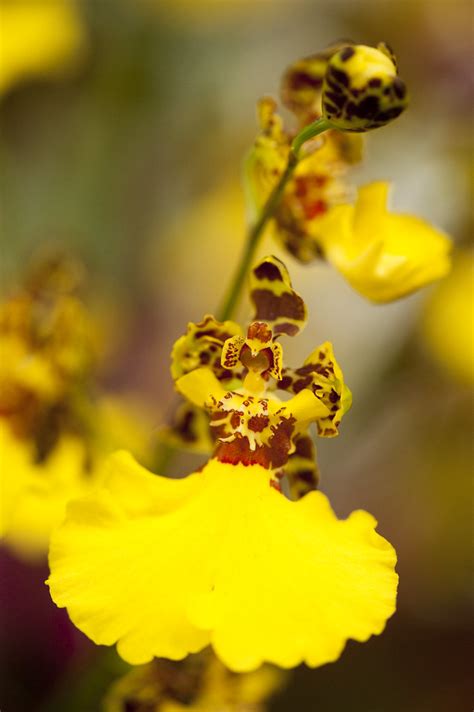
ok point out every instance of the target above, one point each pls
(383, 255)
(166, 567)
(39, 38)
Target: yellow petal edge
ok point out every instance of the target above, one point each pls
(165, 567)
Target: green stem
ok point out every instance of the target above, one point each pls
(310, 131)
(267, 213)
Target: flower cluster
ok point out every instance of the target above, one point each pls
(353, 88)
(223, 557)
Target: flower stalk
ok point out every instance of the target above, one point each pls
(268, 210)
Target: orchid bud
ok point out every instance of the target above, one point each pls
(361, 88)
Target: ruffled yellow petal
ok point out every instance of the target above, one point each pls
(384, 256)
(230, 561)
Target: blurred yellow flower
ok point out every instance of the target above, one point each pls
(383, 256)
(54, 432)
(35, 491)
(39, 38)
(165, 567)
(448, 326)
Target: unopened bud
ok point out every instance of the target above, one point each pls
(361, 89)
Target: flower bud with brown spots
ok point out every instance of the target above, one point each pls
(361, 89)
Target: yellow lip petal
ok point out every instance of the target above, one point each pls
(234, 563)
(383, 255)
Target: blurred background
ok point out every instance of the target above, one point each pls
(123, 127)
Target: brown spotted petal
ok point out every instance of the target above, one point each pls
(322, 374)
(231, 349)
(275, 301)
(201, 345)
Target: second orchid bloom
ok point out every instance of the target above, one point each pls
(354, 88)
(166, 567)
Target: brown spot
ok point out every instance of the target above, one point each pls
(235, 419)
(301, 384)
(285, 383)
(375, 83)
(399, 87)
(271, 456)
(346, 53)
(184, 426)
(340, 76)
(336, 98)
(267, 270)
(307, 476)
(332, 84)
(302, 80)
(257, 423)
(334, 396)
(260, 331)
(270, 307)
(368, 107)
(286, 328)
(280, 442)
(304, 447)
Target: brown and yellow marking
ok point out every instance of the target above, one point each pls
(202, 346)
(322, 374)
(361, 88)
(257, 352)
(252, 430)
(275, 301)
